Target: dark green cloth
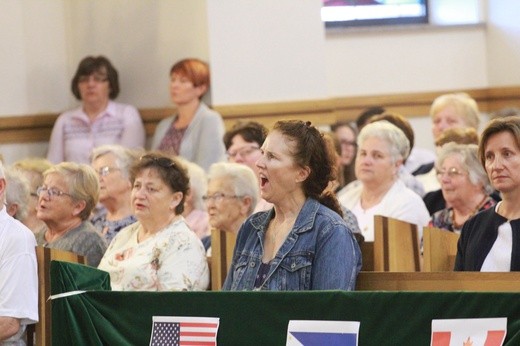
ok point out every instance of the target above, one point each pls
(261, 318)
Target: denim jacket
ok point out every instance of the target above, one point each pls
(320, 253)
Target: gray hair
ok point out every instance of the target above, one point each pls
(198, 182)
(468, 154)
(17, 192)
(243, 179)
(125, 157)
(394, 136)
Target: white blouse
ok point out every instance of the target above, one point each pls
(172, 259)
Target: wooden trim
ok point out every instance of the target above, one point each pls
(38, 127)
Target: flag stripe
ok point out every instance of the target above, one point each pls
(495, 337)
(197, 343)
(183, 333)
(199, 325)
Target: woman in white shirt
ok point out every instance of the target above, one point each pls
(381, 150)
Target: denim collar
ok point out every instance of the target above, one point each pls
(303, 223)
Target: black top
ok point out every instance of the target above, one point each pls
(477, 238)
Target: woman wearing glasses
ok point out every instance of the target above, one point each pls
(464, 184)
(490, 241)
(302, 243)
(158, 252)
(231, 196)
(98, 120)
(112, 164)
(195, 132)
(65, 200)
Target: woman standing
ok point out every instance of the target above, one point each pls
(196, 131)
(302, 243)
(98, 120)
(490, 241)
(159, 252)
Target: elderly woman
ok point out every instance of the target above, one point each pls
(195, 212)
(195, 132)
(490, 241)
(381, 150)
(448, 111)
(231, 196)
(33, 169)
(98, 120)
(302, 243)
(243, 144)
(112, 164)
(65, 200)
(159, 252)
(17, 194)
(465, 186)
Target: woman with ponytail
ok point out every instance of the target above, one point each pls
(302, 243)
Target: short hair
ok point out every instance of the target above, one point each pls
(498, 125)
(197, 71)
(505, 112)
(384, 130)
(243, 179)
(251, 131)
(125, 157)
(82, 183)
(33, 168)
(198, 182)
(366, 114)
(17, 192)
(171, 171)
(91, 65)
(461, 135)
(343, 123)
(468, 154)
(309, 149)
(465, 106)
(400, 121)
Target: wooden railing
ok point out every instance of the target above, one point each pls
(37, 127)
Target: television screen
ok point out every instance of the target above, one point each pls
(341, 13)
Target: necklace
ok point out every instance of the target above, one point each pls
(458, 226)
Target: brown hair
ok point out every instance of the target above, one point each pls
(460, 135)
(309, 149)
(508, 124)
(91, 65)
(170, 170)
(251, 131)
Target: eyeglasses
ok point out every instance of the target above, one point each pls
(104, 171)
(450, 172)
(158, 160)
(218, 197)
(50, 192)
(348, 143)
(98, 78)
(243, 152)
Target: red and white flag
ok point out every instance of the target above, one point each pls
(469, 332)
(184, 331)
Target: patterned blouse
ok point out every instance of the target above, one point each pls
(171, 142)
(109, 229)
(171, 260)
(444, 217)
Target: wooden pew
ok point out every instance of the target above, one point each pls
(222, 246)
(396, 245)
(438, 281)
(439, 249)
(44, 256)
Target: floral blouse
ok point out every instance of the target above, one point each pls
(444, 217)
(173, 259)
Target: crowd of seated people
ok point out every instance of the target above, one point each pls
(299, 201)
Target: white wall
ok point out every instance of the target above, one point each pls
(262, 51)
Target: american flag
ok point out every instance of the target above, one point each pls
(184, 331)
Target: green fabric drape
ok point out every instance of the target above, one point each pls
(261, 318)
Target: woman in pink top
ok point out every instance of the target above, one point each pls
(98, 120)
